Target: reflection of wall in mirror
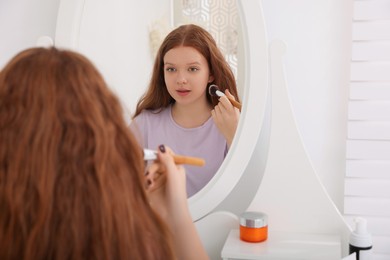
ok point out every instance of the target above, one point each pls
(221, 19)
(124, 33)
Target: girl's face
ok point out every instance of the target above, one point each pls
(186, 74)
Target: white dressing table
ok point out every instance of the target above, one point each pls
(283, 246)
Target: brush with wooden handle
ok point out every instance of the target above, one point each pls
(178, 159)
(214, 91)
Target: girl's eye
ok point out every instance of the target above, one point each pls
(193, 69)
(170, 69)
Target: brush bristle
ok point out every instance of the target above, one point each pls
(213, 90)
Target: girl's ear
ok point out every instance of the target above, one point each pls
(211, 78)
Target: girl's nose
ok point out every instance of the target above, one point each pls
(181, 79)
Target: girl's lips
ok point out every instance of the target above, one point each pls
(183, 92)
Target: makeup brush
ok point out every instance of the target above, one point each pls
(179, 159)
(214, 91)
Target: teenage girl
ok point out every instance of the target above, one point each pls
(177, 108)
(73, 183)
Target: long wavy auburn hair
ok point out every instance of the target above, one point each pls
(190, 35)
(71, 184)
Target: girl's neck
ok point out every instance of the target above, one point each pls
(191, 116)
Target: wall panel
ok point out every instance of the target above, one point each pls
(367, 177)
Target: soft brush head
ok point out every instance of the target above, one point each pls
(214, 91)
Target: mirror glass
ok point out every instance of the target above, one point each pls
(220, 19)
(119, 37)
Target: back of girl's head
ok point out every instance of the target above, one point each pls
(70, 171)
(194, 36)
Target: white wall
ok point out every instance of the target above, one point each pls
(318, 36)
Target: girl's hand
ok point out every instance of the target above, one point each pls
(165, 184)
(166, 189)
(226, 117)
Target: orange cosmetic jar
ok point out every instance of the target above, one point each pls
(253, 226)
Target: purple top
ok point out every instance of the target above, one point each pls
(152, 129)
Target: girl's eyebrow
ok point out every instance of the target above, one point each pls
(194, 63)
(190, 63)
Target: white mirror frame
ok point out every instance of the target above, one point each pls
(255, 78)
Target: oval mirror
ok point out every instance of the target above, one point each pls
(115, 36)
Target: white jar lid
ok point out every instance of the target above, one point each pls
(253, 219)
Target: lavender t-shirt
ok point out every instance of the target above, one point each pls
(152, 129)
